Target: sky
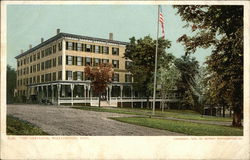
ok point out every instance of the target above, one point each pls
(27, 24)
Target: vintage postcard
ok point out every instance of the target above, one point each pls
(125, 79)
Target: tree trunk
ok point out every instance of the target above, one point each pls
(237, 117)
(147, 102)
(223, 111)
(99, 104)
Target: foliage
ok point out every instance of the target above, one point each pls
(189, 70)
(100, 77)
(196, 129)
(11, 84)
(168, 77)
(219, 27)
(142, 54)
(16, 126)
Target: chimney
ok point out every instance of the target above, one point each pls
(21, 51)
(30, 46)
(41, 40)
(57, 31)
(110, 36)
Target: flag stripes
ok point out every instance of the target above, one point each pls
(161, 20)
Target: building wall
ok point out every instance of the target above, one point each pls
(22, 87)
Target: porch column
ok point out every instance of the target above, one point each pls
(37, 90)
(42, 92)
(52, 94)
(110, 89)
(47, 89)
(107, 93)
(84, 92)
(58, 93)
(121, 89)
(72, 93)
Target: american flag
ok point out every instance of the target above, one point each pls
(161, 20)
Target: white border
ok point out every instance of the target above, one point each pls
(125, 147)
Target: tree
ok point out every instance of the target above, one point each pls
(219, 27)
(189, 70)
(100, 77)
(11, 83)
(142, 54)
(168, 77)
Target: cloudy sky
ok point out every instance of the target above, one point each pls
(26, 24)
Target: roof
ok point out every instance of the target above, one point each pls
(63, 35)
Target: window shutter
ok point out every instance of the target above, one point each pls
(117, 51)
(67, 45)
(66, 59)
(82, 61)
(67, 72)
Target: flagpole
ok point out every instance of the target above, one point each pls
(156, 52)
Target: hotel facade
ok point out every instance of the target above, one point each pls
(53, 71)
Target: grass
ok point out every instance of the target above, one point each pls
(16, 126)
(99, 109)
(188, 128)
(181, 114)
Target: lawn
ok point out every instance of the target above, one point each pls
(16, 126)
(188, 128)
(181, 114)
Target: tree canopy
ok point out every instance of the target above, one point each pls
(142, 54)
(219, 27)
(100, 76)
(11, 84)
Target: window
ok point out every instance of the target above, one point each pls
(59, 60)
(48, 77)
(69, 60)
(115, 51)
(30, 59)
(42, 78)
(106, 50)
(18, 63)
(116, 77)
(34, 57)
(42, 53)
(115, 63)
(68, 75)
(88, 61)
(59, 75)
(38, 79)
(79, 46)
(30, 80)
(97, 61)
(54, 76)
(27, 70)
(34, 79)
(38, 55)
(24, 61)
(79, 76)
(88, 48)
(97, 49)
(54, 62)
(128, 78)
(105, 60)
(30, 69)
(60, 46)
(69, 45)
(79, 61)
(42, 66)
(54, 48)
(127, 64)
(38, 67)
(34, 68)
(48, 64)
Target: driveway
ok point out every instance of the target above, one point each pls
(58, 120)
